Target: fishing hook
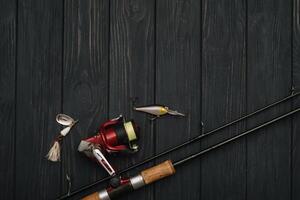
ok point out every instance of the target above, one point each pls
(69, 183)
(167, 168)
(172, 149)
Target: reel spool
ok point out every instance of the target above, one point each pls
(117, 135)
(114, 136)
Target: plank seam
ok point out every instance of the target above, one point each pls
(292, 103)
(108, 57)
(201, 91)
(154, 87)
(15, 99)
(62, 84)
(246, 96)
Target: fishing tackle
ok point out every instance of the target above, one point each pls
(167, 168)
(186, 143)
(157, 111)
(69, 183)
(114, 136)
(65, 120)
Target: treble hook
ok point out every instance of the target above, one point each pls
(133, 101)
(153, 118)
(202, 127)
(293, 89)
(69, 184)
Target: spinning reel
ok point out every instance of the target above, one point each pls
(114, 136)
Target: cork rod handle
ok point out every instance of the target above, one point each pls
(158, 172)
(94, 196)
(146, 177)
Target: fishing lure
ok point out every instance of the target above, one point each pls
(184, 144)
(65, 120)
(158, 110)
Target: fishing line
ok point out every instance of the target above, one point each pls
(167, 168)
(197, 138)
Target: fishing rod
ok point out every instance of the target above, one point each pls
(167, 168)
(172, 149)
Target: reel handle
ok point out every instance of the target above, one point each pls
(146, 177)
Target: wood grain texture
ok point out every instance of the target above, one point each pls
(7, 97)
(178, 85)
(214, 60)
(132, 74)
(85, 84)
(224, 97)
(295, 149)
(38, 97)
(268, 79)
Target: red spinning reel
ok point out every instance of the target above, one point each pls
(114, 136)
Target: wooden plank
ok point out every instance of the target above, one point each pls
(224, 97)
(178, 85)
(295, 174)
(7, 97)
(132, 73)
(268, 79)
(85, 84)
(38, 97)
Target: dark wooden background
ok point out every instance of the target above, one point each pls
(213, 59)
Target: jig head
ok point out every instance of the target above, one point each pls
(158, 110)
(114, 136)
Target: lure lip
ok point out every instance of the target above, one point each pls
(175, 112)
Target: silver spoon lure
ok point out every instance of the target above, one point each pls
(67, 121)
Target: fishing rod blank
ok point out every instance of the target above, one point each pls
(167, 168)
(172, 149)
(235, 137)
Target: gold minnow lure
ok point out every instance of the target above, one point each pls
(157, 110)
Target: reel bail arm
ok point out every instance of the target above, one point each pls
(114, 136)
